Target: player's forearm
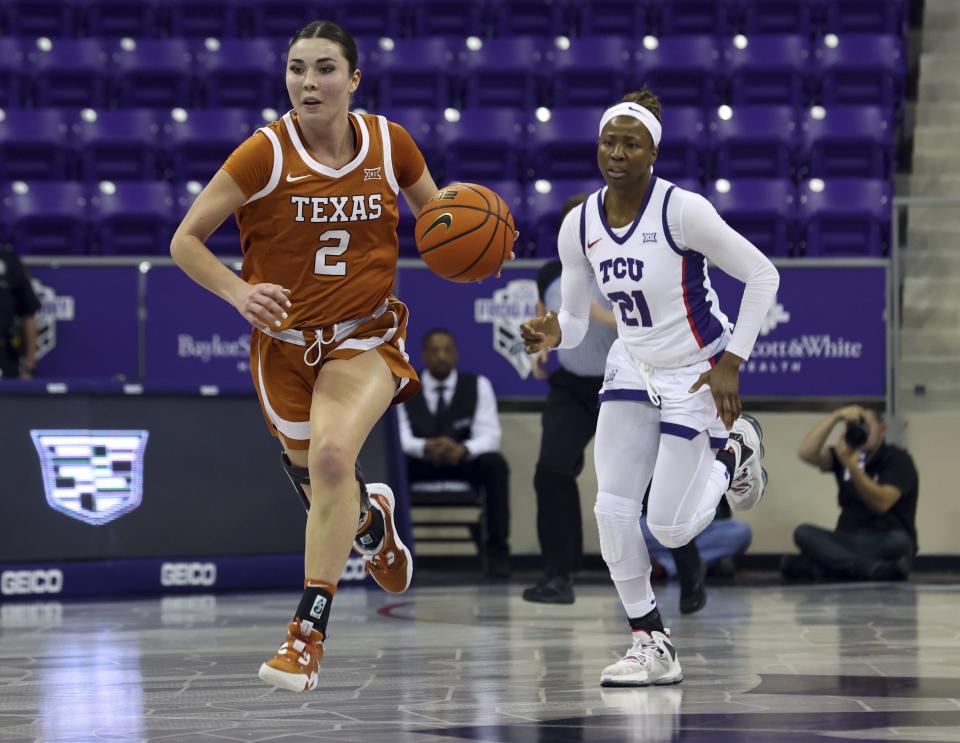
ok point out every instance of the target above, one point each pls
(201, 265)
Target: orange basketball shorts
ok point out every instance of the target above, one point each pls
(285, 365)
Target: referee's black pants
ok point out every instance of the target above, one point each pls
(569, 422)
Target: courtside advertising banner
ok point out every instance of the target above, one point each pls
(87, 323)
(824, 336)
(192, 335)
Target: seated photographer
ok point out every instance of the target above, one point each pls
(876, 536)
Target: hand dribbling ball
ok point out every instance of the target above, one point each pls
(465, 232)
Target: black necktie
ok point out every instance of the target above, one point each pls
(443, 412)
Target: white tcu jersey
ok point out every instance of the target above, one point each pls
(667, 313)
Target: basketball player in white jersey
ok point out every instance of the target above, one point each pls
(670, 398)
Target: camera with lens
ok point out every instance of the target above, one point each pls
(857, 433)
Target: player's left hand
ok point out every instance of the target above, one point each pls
(724, 381)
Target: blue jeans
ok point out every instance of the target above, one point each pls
(722, 538)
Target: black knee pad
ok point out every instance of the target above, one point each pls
(301, 476)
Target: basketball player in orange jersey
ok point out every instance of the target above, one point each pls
(316, 200)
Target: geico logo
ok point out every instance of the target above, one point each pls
(188, 574)
(353, 570)
(20, 582)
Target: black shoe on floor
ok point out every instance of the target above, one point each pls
(723, 569)
(891, 570)
(498, 564)
(554, 590)
(693, 594)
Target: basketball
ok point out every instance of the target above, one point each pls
(465, 232)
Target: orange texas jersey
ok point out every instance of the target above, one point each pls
(329, 235)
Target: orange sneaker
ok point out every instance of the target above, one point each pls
(296, 666)
(391, 566)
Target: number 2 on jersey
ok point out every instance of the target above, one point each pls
(320, 265)
(630, 302)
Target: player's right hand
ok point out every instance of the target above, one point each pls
(541, 333)
(264, 305)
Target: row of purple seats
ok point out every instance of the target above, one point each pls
(401, 18)
(445, 71)
(816, 218)
(180, 145)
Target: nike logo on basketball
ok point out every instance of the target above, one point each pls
(445, 219)
(591, 244)
(292, 178)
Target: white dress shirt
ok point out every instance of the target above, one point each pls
(484, 427)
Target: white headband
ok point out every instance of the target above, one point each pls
(635, 111)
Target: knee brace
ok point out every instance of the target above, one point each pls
(301, 476)
(621, 542)
(672, 537)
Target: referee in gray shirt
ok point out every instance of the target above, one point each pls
(569, 422)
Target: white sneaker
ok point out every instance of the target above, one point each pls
(650, 661)
(749, 479)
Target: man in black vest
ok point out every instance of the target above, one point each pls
(450, 431)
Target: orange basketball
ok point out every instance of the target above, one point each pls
(465, 232)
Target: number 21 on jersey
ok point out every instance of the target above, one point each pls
(339, 241)
(630, 303)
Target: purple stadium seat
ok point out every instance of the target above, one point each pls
(770, 69)
(119, 145)
(33, 18)
(201, 143)
(225, 240)
(756, 142)
(285, 17)
(504, 72)
(865, 69)
(153, 73)
(683, 70)
(117, 18)
(46, 218)
(205, 18)
(134, 219)
(593, 71)
(850, 216)
(240, 72)
(762, 210)
(565, 147)
(417, 72)
(866, 16)
(850, 141)
(684, 143)
(12, 84)
(543, 212)
(34, 145)
(535, 17)
(370, 17)
(72, 72)
(775, 16)
(673, 17)
(608, 17)
(486, 143)
(443, 18)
